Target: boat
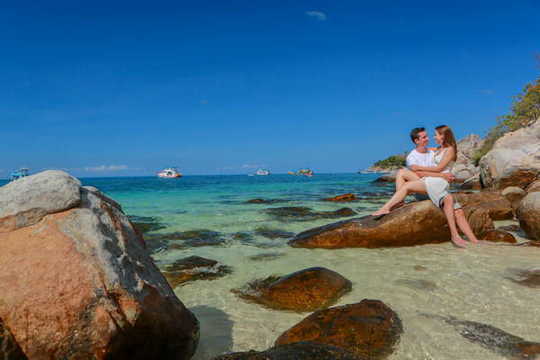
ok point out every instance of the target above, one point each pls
(305, 172)
(262, 172)
(17, 174)
(169, 173)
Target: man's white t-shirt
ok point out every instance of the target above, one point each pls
(420, 159)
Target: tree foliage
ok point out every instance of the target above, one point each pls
(391, 162)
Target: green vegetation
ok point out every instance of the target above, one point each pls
(391, 162)
(525, 111)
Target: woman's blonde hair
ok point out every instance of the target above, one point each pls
(448, 138)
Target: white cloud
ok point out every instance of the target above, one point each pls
(319, 15)
(250, 166)
(106, 168)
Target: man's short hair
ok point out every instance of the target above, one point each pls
(415, 132)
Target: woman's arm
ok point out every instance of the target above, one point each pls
(448, 156)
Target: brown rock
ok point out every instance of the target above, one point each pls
(514, 194)
(387, 178)
(498, 207)
(296, 351)
(369, 329)
(91, 291)
(499, 236)
(528, 214)
(472, 183)
(9, 348)
(194, 268)
(416, 223)
(342, 198)
(305, 290)
(533, 187)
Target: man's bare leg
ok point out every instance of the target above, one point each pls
(464, 226)
(449, 213)
(417, 186)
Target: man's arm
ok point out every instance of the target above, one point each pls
(448, 176)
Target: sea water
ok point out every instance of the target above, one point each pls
(472, 284)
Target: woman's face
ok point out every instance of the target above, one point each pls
(439, 138)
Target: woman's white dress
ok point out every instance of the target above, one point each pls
(437, 187)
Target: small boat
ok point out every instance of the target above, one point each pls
(169, 173)
(262, 172)
(305, 172)
(15, 175)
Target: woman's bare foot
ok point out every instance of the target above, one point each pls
(381, 211)
(474, 241)
(459, 242)
(398, 205)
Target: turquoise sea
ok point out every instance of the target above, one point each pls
(477, 284)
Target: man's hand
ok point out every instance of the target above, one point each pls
(414, 167)
(449, 177)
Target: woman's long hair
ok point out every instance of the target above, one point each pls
(449, 139)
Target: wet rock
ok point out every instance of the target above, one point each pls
(305, 290)
(494, 339)
(265, 201)
(416, 223)
(296, 351)
(529, 278)
(499, 236)
(91, 290)
(301, 213)
(145, 224)
(271, 233)
(342, 198)
(528, 214)
(498, 206)
(9, 348)
(194, 268)
(369, 329)
(185, 239)
(417, 284)
(266, 256)
(28, 200)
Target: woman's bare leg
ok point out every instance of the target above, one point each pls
(464, 226)
(417, 186)
(404, 175)
(449, 213)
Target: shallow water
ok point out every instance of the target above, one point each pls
(469, 284)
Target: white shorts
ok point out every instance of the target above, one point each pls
(437, 189)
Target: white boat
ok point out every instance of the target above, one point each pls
(169, 173)
(262, 172)
(15, 175)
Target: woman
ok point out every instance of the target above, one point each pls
(436, 187)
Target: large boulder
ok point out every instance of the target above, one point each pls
(26, 201)
(528, 214)
(533, 187)
(305, 290)
(498, 207)
(369, 329)
(513, 160)
(416, 223)
(514, 194)
(91, 290)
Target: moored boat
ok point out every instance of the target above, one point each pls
(262, 172)
(169, 173)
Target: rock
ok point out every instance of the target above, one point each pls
(386, 178)
(528, 214)
(499, 236)
(514, 194)
(145, 224)
(342, 198)
(295, 351)
(270, 233)
(369, 329)
(533, 187)
(416, 223)
(494, 339)
(194, 268)
(26, 201)
(264, 201)
(185, 239)
(91, 290)
(472, 183)
(463, 172)
(530, 243)
(498, 207)
(511, 227)
(9, 348)
(467, 148)
(305, 290)
(513, 160)
(266, 256)
(420, 268)
(529, 278)
(301, 213)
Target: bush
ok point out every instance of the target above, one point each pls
(391, 162)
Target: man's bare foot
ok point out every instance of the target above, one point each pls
(459, 242)
(380, 212)
(398, 205)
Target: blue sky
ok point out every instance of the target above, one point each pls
(114, 88)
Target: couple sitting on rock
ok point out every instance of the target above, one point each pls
(429, 172)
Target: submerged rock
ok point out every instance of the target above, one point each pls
(266, 256)
(368, 329)
(342, 198)
(194, 268)
(91, 290)
(416, 223)
(529, 278)
(145, 224)
(499, 235)
(528, 214)
(493, 339)
(305, 290)
(265, 201)
(296, 351)
(185, 239)
(417, 284)
(271, 233)
(301, 213)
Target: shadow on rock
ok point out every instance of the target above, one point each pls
(216, 332)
